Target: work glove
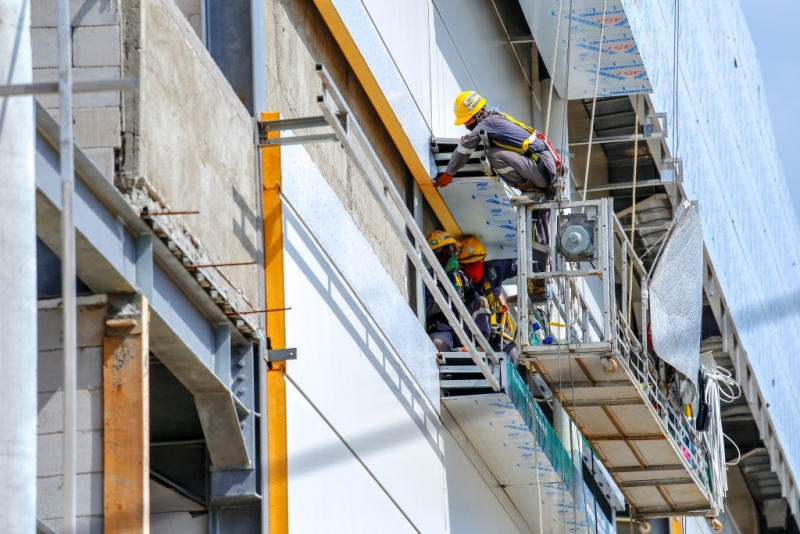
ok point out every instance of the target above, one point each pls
(469, 293)
(443, 180)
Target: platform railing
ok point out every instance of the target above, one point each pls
(611, 336)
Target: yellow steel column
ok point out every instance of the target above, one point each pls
(276, 332)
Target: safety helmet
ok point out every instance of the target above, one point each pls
(468, 103)
(472, 250)
(440, 238)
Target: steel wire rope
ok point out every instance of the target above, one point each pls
(594, 101)
(633, 209)
(577, 487)
(553, 70)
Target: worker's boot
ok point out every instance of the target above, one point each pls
(528, 197)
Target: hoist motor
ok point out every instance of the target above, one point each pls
(576, 237)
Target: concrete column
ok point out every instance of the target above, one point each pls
(18, 333)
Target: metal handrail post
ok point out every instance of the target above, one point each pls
(523, 270)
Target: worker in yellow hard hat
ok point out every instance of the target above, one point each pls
(483, 291)
(439, 330)
(521, 156)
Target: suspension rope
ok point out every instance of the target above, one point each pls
(594, 102)
(633, 208)
(553, 70)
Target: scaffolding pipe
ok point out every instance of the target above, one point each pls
(68, 274)
(17, 276)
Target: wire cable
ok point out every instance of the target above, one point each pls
(594, 102)
(553, 70)
(633, 208)
(720, 387)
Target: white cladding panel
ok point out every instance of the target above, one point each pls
(329, 490)
(346, 248)
(351, 370)
(471, 52)
(403, 28)
(473, 507)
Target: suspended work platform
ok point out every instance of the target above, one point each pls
(598, 366)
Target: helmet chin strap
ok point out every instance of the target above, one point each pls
(478, 116)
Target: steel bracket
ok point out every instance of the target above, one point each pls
(281, 355)
(280, 125)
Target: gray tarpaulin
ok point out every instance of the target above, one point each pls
(676, 296)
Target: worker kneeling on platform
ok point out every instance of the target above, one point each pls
(524, 159)
(438, 328)
(483, 293)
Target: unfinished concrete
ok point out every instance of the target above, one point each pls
(50, 457)
(212, 168)
(297, 39)
(95, 56)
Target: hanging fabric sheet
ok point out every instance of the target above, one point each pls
(676, 296)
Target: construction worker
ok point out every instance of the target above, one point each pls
(446, 249)
(522, 157)
(482, 293)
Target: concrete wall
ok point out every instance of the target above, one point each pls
(191, 145)
(297, 39)
(50, 466)
(95, 56)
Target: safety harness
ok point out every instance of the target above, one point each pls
(519, 138)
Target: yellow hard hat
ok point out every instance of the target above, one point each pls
(440, 238)
(472, 250)
(468, 103)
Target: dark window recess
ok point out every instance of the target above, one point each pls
(48, 274)
(177, 445)
(229, 39)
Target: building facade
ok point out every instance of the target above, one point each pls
(252, 351)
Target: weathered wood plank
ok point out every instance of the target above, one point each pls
(126, 420)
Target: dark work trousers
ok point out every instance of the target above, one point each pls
(522, 172)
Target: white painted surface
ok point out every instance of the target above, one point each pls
(471, 53)
(403, 28)
(504, 441)
(473, 506)
(355, 375)
(329, 490)
(346, 248)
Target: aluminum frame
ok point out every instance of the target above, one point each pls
(616, 337)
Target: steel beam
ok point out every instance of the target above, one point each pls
(112, 245)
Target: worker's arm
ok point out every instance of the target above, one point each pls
(459, 158)
(500, 271)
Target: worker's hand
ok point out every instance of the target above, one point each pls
(443, 180)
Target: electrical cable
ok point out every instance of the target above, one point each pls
(720, 387)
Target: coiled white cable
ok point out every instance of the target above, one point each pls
(720, 387)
